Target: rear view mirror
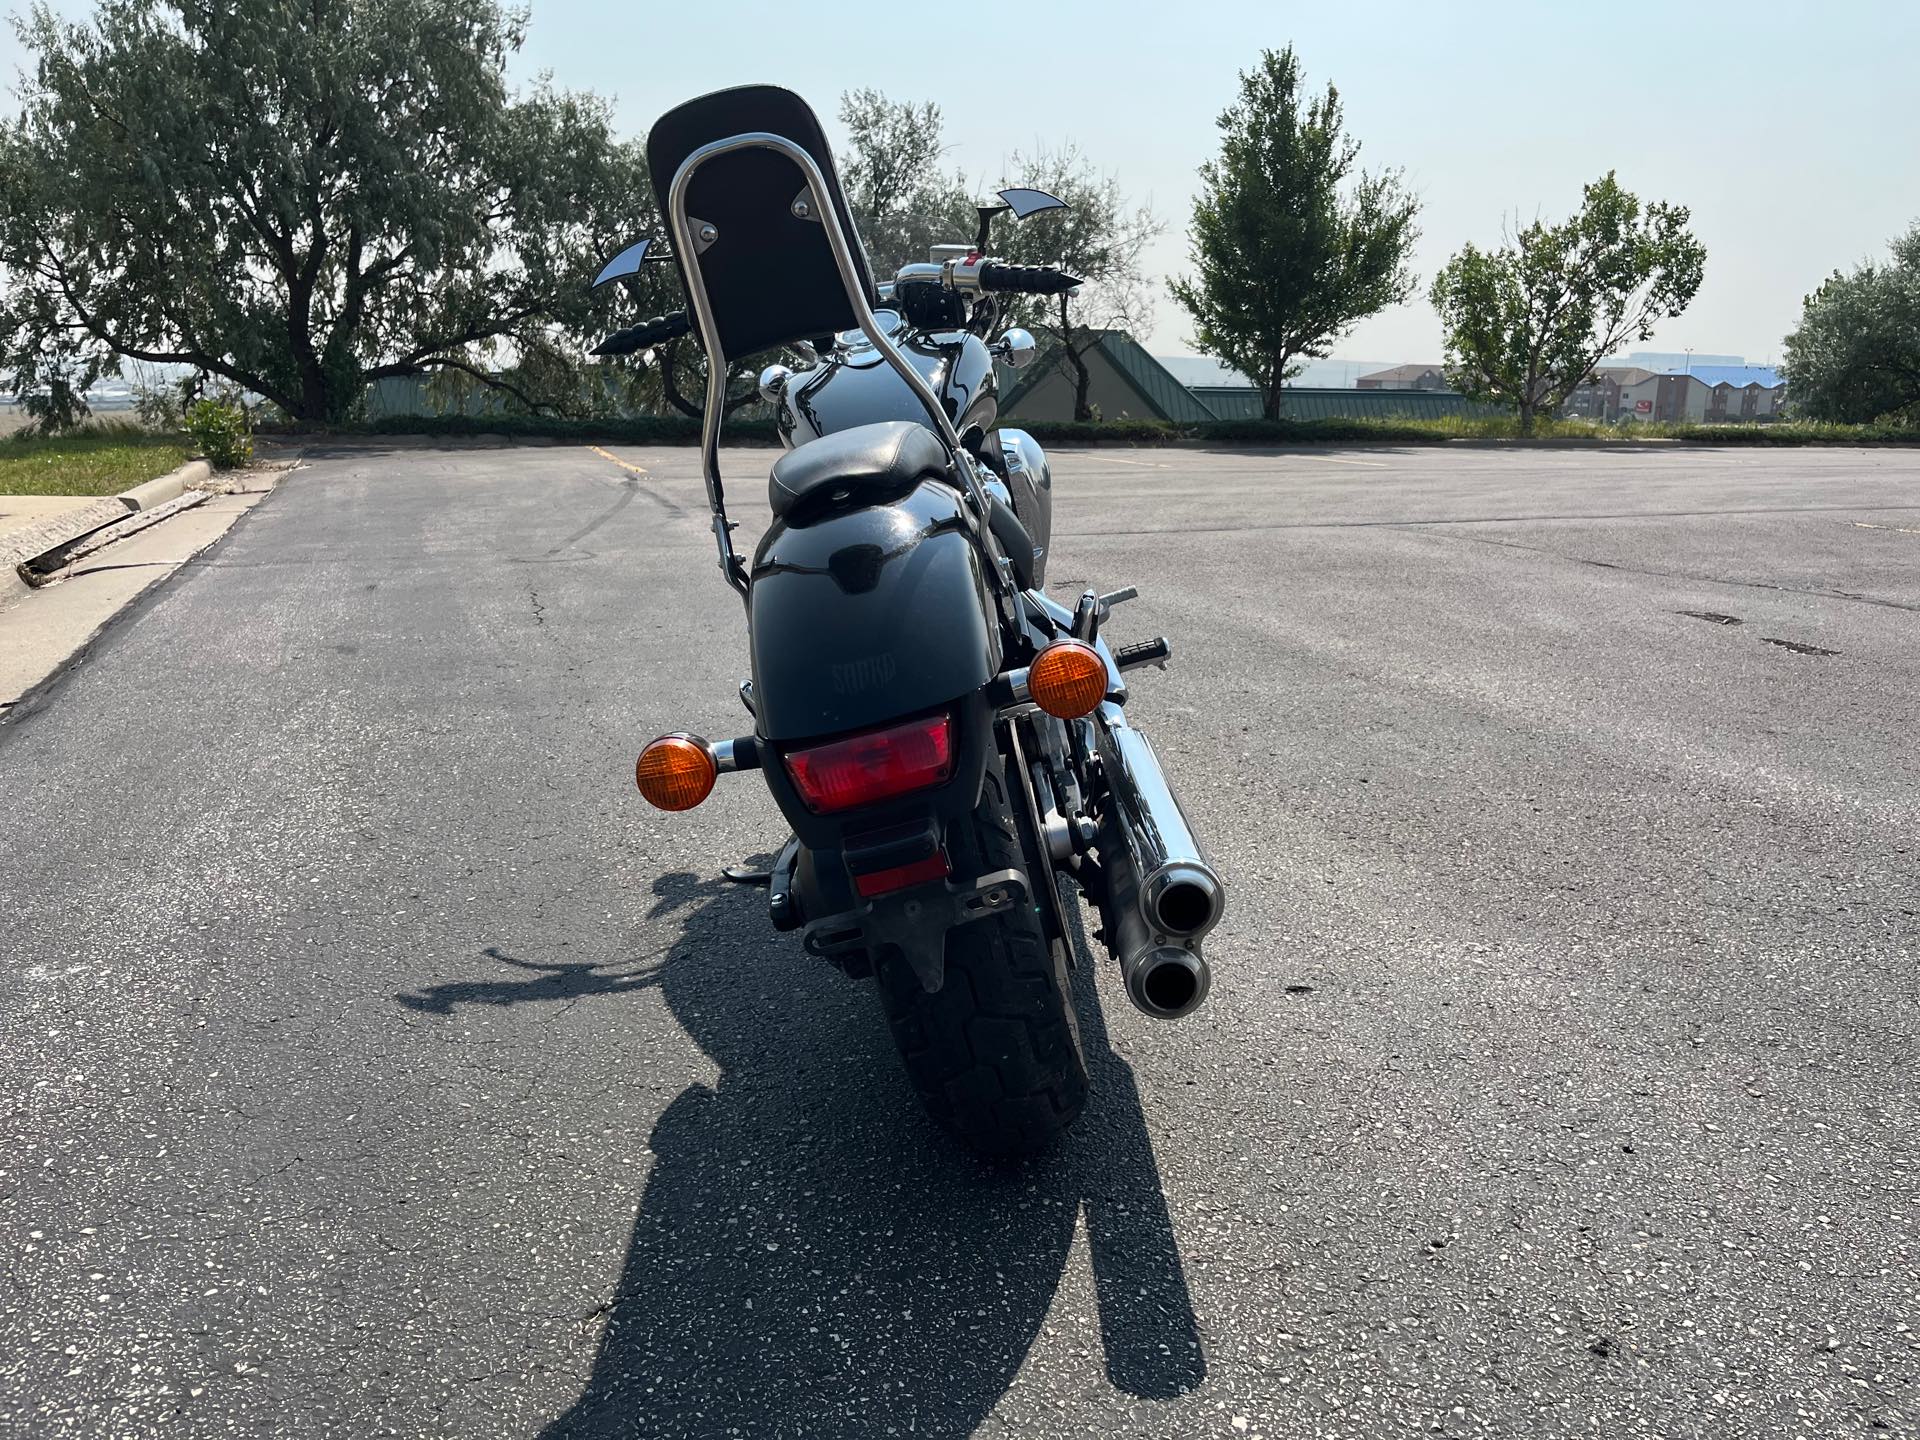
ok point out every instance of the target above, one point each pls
(1031, 202)
(625, 265)
(1022, 202)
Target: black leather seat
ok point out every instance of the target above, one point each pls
(870, 463)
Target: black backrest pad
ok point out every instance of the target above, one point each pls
(770, 276)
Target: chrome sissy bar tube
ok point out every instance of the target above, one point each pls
(688, 245)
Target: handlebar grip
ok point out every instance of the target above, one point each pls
(659, 329)
(1026, 279)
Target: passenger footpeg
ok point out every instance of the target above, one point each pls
(1144, 652)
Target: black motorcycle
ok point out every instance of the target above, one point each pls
(946, 740)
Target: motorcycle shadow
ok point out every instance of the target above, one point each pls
(812, 1257)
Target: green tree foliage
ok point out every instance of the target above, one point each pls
(1855, 356)
(302, 197)
(902, 201)
(1100, 238)
(1526, 324)
(1290, 243)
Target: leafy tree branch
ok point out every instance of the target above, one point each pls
(1527, 323)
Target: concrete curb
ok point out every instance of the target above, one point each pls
(168, 487)
(30, 542)
(32, 545)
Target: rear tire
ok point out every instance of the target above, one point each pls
(995, 1052)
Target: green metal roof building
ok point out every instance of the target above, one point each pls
(1126, 383)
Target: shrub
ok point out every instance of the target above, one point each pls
(1093, 432)
(162, 404)
(221, 432)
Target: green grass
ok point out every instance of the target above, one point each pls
(1460, 427)
(102, 460)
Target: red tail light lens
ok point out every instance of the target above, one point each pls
(902, 877)
(874, 767)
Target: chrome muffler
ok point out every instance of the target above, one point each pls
(1164, 895)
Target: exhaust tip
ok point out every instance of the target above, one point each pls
(1168, 983)
(1183, 901)
(1183, 908)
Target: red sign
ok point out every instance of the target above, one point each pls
(1643, 407)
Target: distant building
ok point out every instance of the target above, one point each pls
(1405, 377)
(1710, 393)
(1672, 362)
(1599, 397)
(1334, 402)
(1125, 383)
(1202, 371)
(1741, 392)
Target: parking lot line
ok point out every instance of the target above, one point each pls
(623, 464)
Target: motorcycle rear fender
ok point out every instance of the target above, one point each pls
(868, 615)
(879, 837)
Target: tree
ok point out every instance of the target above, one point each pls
(902, 201)
(1855, 356)
(1290, 244)
(1526, 324)
(1100, 238)
(302, 197)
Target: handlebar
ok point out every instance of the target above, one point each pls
(975, 274)
(1026, 279)
(963, 275)
(656, 331)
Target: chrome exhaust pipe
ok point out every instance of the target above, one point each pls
(1181, 899)
(1180, 894)
(1163, 895)
(1163, 979)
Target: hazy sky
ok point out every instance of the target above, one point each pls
(1792, 132)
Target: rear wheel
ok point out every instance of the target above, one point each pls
(995, 1052)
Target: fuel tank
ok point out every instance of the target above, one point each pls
(858, 387)
(867, 615)
(1028, 481)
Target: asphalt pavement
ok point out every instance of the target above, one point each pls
(375, 1062)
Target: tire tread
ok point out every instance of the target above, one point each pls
(994, 1054)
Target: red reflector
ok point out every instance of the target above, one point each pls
(874, 767)
(885, 882)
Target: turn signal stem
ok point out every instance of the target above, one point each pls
(740, 754)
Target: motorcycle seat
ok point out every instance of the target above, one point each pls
(865, 464)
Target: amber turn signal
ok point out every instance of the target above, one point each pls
(676, 772)
(1068, 679)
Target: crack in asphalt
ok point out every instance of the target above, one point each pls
(628, 489)
(1422, 528)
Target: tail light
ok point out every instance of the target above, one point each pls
(876, 766)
